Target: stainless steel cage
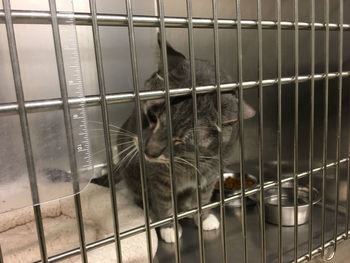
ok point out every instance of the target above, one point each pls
(327, 79)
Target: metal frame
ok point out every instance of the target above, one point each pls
(261, 136)
(195, 126)
(279, 129)
(325, 128)
(105, 118)
(94, 100)
(22, 108)
(296, 126)
(312, 125)
(219, 124)
(44, 17)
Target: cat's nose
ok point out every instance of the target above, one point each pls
(154, 150)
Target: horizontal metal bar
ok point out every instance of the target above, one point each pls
(43, 17)
(94, 100)
(141, 229)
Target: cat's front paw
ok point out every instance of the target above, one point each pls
(211, 223)
(168, 233)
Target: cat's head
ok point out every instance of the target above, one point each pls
(155, 120)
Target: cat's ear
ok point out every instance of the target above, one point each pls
(174, 57)
(230, 109)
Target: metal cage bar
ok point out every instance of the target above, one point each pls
(219, 124)
(348, 181)
(241, 130)
(143, 178)
(312, 124)
(348, 191)
(43, 17)
(105, 120)
(93, 100)
(339, 124)
(261, 136)
(296, 127)
(25, 130)
(162, 32)
(68, 128)
(325, 128)
(195, 126)
(279, 130)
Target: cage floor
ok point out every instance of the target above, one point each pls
(212, 240)
(342, 254)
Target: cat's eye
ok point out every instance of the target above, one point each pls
(152, 118)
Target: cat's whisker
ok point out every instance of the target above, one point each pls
(121, 129)
(179, 159)
(91, 130)
(92, 134)
(162, 160)
(208, 157)
(99, 151)
(125, 158)
(112, 125)
(126, 149)
(104, 149)
(132, 157)
(120, 162)
(126, 136)
(182, 166)
(199, 128)
(122, 143)
(114, 132)
(99, 136)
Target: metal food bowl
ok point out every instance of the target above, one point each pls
(228, 192)
(287, 203)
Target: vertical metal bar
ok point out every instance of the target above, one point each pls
(219, 124)
(325, 128)
(312, 124)
(160, 5)
(279, 129)
(25, 129)
(261, 138)
(195, 125)
(340, 82)
(241, 128)
(68, 127)
(296, 123)
(132, 44)
(106, 131)
(348, 179)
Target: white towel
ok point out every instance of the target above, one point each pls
(18, 237)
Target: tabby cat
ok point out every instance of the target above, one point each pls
(155, 138)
